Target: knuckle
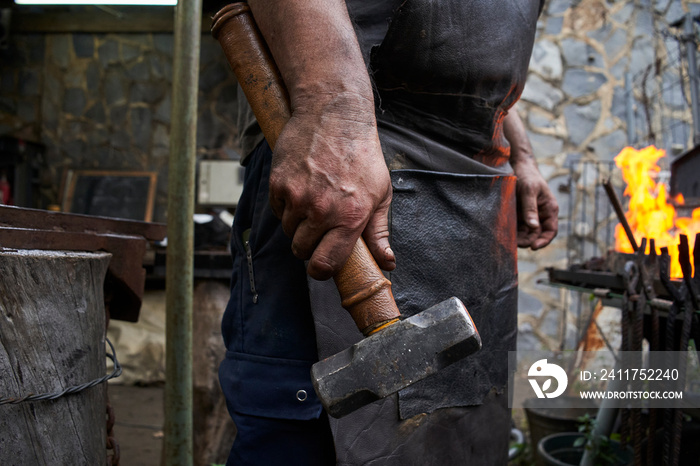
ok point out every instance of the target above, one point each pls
(320, 268)
(300, 251)
(288, 230)
(277, 184)
(318, 211)
(526, 187)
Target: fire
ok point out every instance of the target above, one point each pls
(649, 213)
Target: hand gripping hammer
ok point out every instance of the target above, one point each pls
(394, 353)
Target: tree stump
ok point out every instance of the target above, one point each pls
(52, 329)
(214, 430)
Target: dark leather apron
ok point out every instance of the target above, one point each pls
(445, 76)
(453, 235)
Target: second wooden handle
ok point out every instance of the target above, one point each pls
(364, 290)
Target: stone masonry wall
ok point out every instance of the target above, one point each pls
(103, 101)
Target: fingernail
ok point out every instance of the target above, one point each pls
(389, 252)
(532, 221)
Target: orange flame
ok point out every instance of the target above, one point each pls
(649, 214)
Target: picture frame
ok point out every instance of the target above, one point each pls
(110, 193)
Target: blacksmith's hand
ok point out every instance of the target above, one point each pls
(329, 183)
(537, 208)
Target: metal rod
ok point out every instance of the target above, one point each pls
(584, 203)
(602, 335)
(596, 218)
(572, 206)
(563, 317)
(608, 228)
(689, 39)
(610, 191)
(605, 421)
(663, 305)
(629, 110)
(178, 449)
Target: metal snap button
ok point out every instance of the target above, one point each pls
(301, 395)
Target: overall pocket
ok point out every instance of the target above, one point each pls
(267, 327)
(268, 387)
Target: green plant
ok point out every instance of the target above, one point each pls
(602, 446)
(526, 457)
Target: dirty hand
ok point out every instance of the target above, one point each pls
(329, 184)
(537, 207)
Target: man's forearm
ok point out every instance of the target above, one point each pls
(315, 47)
(514, 131)
(537, 207)
(328, 181)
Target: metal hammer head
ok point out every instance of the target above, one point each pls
(395, 357)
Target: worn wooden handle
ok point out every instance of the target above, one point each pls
(235, 29)
(364, 290)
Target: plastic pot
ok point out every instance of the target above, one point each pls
(559, 450)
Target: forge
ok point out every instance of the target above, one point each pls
(640, 258)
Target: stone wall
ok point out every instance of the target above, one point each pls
(103, 101)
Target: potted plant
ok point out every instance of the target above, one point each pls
(567, 448)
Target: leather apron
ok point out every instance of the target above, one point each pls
(445, 75)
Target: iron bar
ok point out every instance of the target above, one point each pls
(687, 269)
(605, 338)
(605, 421)
(611, 165)
(610, 191)
(629, 110)
(638, 338)
(178, 443)
(570, 213)
(691, 304)
(662, 305)
(584, 204)
(596, 195)
(669, 415)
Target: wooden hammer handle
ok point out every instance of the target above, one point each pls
(364, 291)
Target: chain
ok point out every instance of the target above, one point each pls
(70, 390)
(112, 443)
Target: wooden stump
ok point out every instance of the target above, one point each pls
(214, 430)
(52, 328)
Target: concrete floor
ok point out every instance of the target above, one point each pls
(138, 426)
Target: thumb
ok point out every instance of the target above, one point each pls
(376, 236)
(528, 204)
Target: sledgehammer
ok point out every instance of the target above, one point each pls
(395, 352)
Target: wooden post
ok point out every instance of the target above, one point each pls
(214, 430)
(52, 330)
(180, 260)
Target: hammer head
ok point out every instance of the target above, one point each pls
(395, 357)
